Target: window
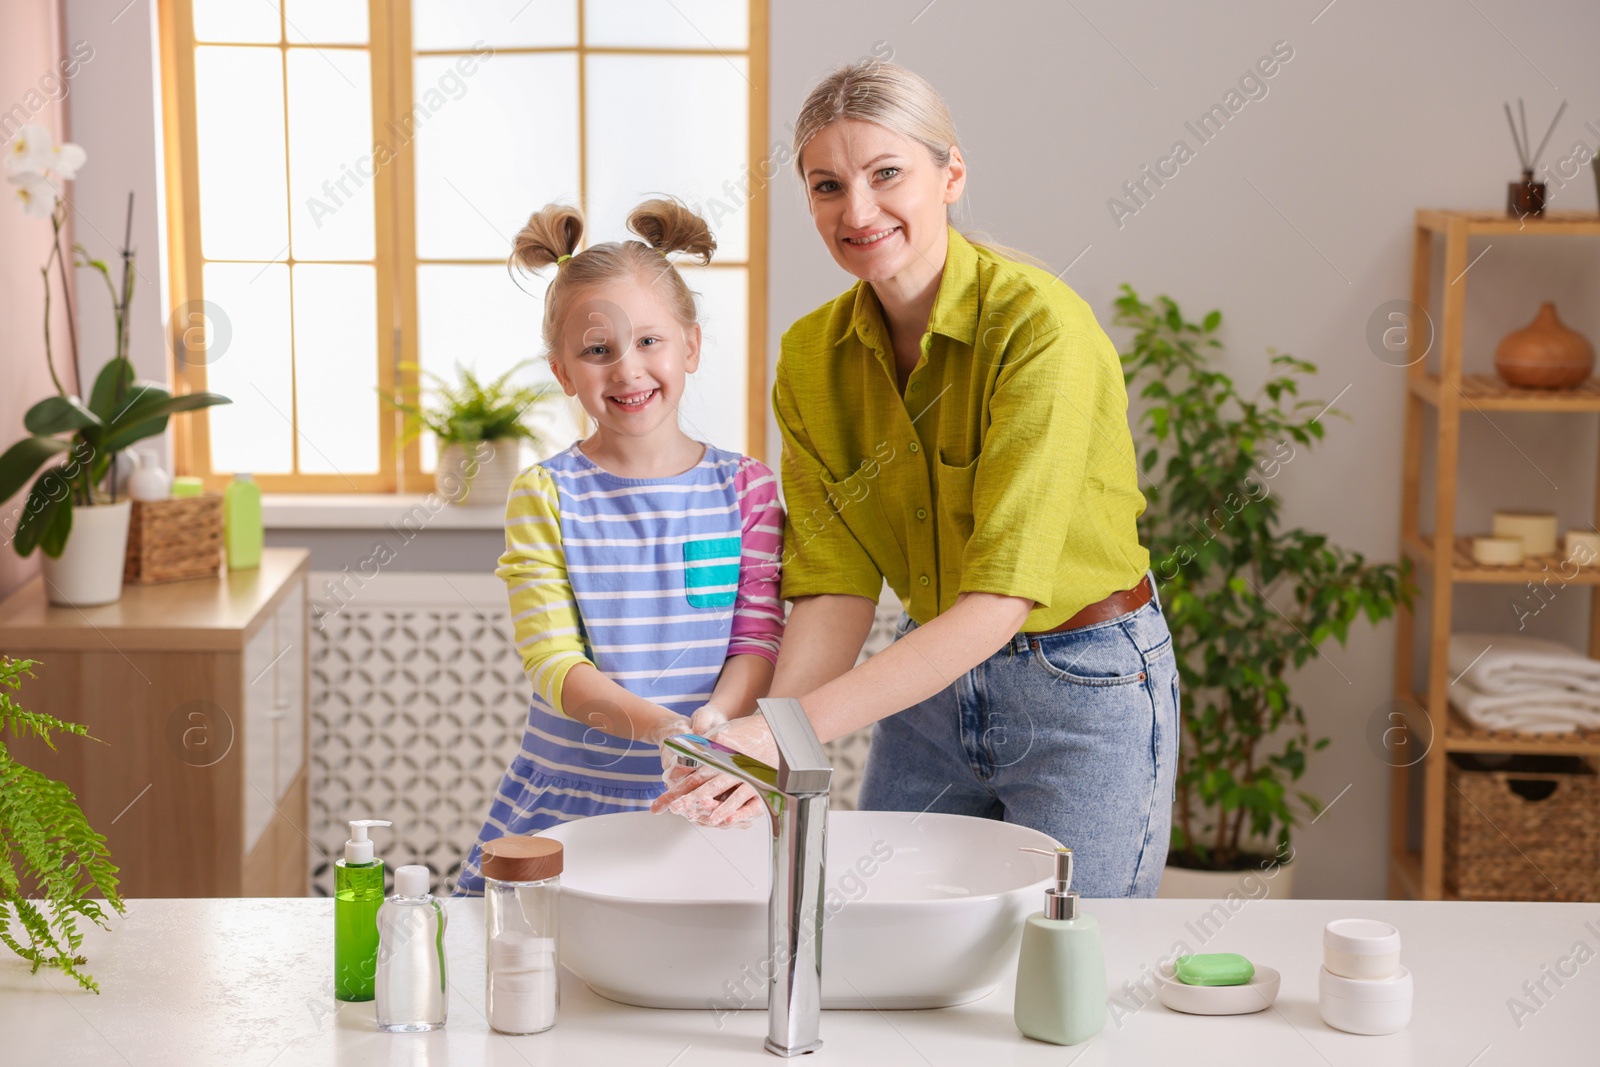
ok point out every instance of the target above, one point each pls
(345, 178)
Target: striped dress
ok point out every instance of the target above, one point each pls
(656, 582)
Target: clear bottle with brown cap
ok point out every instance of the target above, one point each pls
(521, 899)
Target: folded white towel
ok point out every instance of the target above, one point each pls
(1515, 663)
(1533, 711)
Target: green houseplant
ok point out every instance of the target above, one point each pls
(85, 438)
(1247, 601)
(46, 843)
(478, 426)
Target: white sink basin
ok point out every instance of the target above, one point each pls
(921, 911)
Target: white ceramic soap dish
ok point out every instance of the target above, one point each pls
(1255, 995)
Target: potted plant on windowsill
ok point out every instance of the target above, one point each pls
(72, 511)
(479, 427)
(1247, 601)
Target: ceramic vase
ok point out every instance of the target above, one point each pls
(1544, 354)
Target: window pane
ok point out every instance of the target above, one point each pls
(714, 402)
(231, 20)
(499, 23)
(477, 317)
(336, 368)
(253, 433)
(239, 134)
(325, 21)
(500, 146)
(670, 124)
(723, 24)
(330, 153)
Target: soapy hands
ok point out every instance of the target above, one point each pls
(708, 797)
(669, 726)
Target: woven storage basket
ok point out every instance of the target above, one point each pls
(1527, 829)
(169, 540)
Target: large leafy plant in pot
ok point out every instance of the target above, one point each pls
(78, 443)
(1247, 601)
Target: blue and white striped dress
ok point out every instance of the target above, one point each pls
(656, 582)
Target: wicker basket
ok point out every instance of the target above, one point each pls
(1527, 828)
(170, 540)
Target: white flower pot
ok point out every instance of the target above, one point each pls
(480, 476)
(1252, 883)
(90, 568)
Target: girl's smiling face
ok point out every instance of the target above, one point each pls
(877, 198)
(625, 356)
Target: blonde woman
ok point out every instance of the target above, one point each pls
(956, 423)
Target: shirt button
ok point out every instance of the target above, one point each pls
(922, 513)
(915, 447)
(923, 580)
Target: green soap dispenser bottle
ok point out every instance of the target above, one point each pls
(243, 534)
(358, 894)
(1061, 973)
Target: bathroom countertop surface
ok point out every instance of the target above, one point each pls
(248, 981)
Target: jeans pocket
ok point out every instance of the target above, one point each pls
(1101, 655)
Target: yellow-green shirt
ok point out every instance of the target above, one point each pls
(1007, 467)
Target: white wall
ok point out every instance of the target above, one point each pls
(1295, 221)
(116, 108)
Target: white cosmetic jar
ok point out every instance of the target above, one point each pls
(1361, 948)
(1370, 1006)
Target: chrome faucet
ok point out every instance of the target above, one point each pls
(796, 796)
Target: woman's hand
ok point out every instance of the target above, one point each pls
(708, 797)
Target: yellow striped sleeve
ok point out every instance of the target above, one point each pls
(544, 614)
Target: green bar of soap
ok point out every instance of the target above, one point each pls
(1213, 968)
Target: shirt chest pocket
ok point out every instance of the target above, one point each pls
(954, 485)
(711, 571)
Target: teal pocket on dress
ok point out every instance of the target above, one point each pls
(711, 571)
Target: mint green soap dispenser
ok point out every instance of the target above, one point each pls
(1061, 973)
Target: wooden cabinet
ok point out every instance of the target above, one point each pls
(196, 693)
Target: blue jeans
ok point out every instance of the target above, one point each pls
(1073, 733)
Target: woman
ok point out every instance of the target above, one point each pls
(956, 423)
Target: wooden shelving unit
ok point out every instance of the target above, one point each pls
(1420, 875)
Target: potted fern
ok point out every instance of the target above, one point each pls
(1248, 602)
(479, 427)
(47, 846)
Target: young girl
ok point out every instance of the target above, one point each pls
(641, 564)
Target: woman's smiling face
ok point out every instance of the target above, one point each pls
(877, 198)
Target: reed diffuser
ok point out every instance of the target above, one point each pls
(1526, 197)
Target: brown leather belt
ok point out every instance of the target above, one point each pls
(1118, 603)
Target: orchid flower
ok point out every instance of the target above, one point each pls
(36, 166)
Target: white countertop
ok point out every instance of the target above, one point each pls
(248, 981)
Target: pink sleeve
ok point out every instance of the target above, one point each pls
(758, 610)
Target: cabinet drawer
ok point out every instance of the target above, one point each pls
(260, 751)
(289, 688)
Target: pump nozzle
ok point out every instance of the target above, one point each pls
(1060, 902)
(359, 849)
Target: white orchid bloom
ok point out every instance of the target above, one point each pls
(38, 196)
(34, 154)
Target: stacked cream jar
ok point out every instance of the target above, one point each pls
(1362, 987)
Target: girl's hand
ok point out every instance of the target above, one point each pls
(669, 725)
(708, 797)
